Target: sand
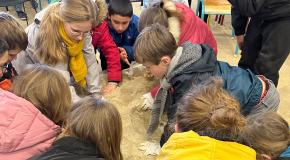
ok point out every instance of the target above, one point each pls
(128, 99)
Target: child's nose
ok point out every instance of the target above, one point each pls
(12, 57)
(80, 37)
(120, 28)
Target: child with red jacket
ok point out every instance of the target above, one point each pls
(101, 39)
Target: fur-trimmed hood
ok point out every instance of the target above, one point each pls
(103, 10)
(190, 28)
(173, 22)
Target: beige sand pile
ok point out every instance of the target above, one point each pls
(128, 99)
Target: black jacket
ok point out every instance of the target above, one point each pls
(257, 9)
(70, 148)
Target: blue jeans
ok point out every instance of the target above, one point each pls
(19, 7)
(270, 102)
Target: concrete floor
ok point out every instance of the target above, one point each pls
(226, 45)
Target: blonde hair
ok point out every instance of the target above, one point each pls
(153, 43)
(12, 32)
(211, 111)
(49, 46)
(99, 122)
(267, 133)
(46, 89)
(159, 13)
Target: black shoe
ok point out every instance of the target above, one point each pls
(22, 15)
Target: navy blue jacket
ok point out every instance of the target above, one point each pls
(127, 38)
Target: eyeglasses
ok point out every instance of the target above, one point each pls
(77, 33)
(74, 32)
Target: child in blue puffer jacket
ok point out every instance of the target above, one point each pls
(123, 26)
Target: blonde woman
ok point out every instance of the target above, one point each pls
(60, 37)
(31, 116)
(94, 128)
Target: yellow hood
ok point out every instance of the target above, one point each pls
(190, 146)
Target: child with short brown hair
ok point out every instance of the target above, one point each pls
(13, 40)
(179, 68)
(12, 32)
(268, 133)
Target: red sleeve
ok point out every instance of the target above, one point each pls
(101, 38)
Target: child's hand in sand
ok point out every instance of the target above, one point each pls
(110, 87)
(150, 148)
(147, 101)
(123, 54)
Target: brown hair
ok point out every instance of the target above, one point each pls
(99, 122)
(49, 47)
(46, 89)
(267, 133)
(153, 43)
(12, 32)
(211, 111)
(159, 13)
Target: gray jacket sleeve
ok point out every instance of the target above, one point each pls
(94, 68)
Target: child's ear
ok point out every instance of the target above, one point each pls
(265, 157)
(176, 128)
(165, 60)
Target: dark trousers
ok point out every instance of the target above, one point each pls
(266, 47)
(189, 3)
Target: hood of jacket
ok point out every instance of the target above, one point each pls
(195, 59)
(103, 10)
(24, 130)
(190, 28)
(186, 145)
(174, 24)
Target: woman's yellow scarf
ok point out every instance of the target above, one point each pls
(77, 63)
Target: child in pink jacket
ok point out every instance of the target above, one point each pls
(30, 118)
